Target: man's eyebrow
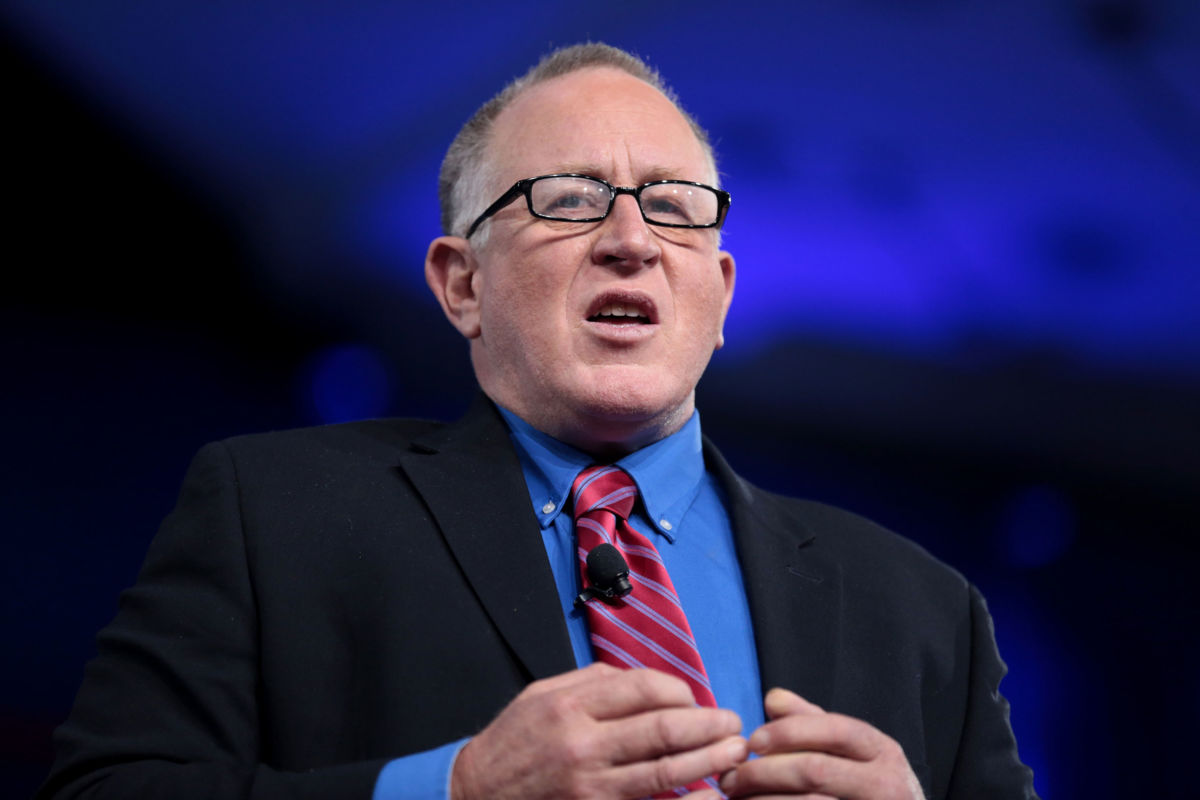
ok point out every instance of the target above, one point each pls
(664, 174)
(648, 176)
(578, 168)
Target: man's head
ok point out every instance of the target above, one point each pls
(464, 175)
(594, 332)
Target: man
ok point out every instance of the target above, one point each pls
(386, 608)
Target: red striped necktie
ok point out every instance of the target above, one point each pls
(646, 628)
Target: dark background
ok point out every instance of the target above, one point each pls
(967, 305)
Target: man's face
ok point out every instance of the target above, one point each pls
(596, 332)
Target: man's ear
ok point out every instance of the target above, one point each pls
(451, 271)
(728, 274)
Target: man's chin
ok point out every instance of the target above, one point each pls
(625, 401)
(617, 410)
(627, 420)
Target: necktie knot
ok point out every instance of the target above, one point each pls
(603, 488)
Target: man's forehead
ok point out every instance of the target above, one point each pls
(597, 121)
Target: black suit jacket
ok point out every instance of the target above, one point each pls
(323, 600)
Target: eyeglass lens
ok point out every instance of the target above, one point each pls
(573, 198)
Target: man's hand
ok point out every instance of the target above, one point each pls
(598, 732)
(804, 750)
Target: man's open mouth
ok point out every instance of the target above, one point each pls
(620, 314)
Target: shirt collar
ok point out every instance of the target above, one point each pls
(668, 472)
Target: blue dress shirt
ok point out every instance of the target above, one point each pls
(682, 510)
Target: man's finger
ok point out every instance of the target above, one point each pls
(663, 732)
(704, 794)
(626, 692)
(805, 774)
(566, 680)
(781, 702)
(644, 778)
(836, 734)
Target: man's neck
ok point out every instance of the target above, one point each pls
(605, 438)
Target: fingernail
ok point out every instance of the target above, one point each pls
(729, 781)
(737, 751)
(760, 741)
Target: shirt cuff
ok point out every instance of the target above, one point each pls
(420, 776)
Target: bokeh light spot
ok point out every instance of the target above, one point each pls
(1037, 527)
(347, 382)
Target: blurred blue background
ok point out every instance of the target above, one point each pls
(968, 303)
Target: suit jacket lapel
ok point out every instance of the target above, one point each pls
(793, 588)
(469, 476)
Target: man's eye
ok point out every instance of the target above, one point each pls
(564, 201)
(664, 206)
(666, 209)
(575, 203)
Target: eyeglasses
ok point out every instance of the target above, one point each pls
(582, 198)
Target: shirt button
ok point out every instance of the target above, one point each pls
(666, 526)
(546, 509)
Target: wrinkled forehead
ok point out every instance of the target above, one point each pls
(596, 121)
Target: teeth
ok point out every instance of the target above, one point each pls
(618, 310)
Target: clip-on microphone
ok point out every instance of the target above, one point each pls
(608, 574)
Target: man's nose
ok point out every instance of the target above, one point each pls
(625, 236)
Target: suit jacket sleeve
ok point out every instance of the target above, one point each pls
(987, 764)
(170, 706)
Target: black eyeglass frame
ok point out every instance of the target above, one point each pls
(525, 185)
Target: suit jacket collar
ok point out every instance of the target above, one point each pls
(469, 477)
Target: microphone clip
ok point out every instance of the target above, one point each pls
(609, 595)
(608, 574)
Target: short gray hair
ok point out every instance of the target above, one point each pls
(463, 177)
